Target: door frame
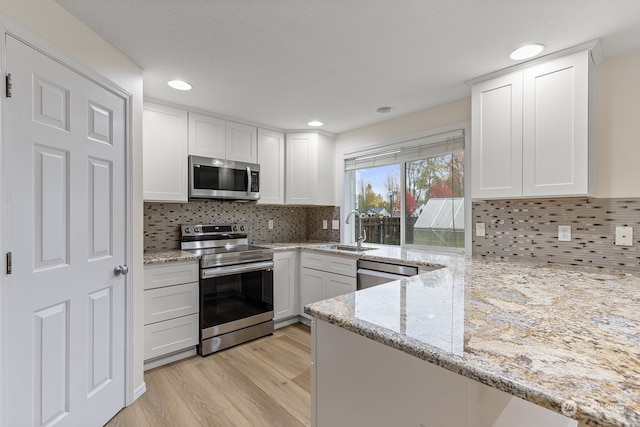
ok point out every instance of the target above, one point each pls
(7, 26)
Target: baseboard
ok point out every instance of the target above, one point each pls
(139, 392)
(287, 322)
(173, 357)
(304, 320)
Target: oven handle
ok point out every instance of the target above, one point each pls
(235, 269)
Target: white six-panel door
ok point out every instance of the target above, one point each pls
(64, 187)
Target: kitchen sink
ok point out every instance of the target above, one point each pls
(349, 248)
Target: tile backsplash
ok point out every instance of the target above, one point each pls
(527, 229)
(290, 223)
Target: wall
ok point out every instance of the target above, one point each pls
(290, 223)
(63, 32)
(527, 230)
(617, 136)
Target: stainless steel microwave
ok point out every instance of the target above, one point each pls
(223, 179)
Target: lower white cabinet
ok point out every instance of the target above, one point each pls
(171, 312)
(325, 276)
(285, 286)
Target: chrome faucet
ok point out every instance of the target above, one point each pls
(363, 233)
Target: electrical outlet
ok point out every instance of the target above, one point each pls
(270, 224)
(624, 236)
(335, 224)
(564, 233)
(480, 230)
(325, 224)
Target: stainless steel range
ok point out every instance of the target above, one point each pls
(236, 285)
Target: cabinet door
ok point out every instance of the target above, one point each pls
(496, 143)
(206, 136)
(311, 287)
(285, 285)
(170, 302)
(241, 142)
(271, 160)
(556, 127)
(302, 166)
(337, 284)
(171, 335)
(164, 154)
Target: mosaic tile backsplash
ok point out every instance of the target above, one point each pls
(521, 230)
(290, 223)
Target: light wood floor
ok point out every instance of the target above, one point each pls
(265, 382)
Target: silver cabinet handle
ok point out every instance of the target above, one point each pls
(121, 269)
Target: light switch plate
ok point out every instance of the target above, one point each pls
(624, 236)
(335, 224)
(325, 224)
(270, 224)
(480, 230)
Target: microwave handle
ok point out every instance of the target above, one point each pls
(248, 179)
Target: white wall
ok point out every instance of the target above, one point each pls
(47, 20)
(618, 118)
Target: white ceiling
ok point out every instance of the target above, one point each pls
(282, 63)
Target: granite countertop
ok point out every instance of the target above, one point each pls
(168, 255)
(550, 336)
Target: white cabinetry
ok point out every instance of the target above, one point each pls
(164, 154)
(325, 276)
(271, 159)
(310, 166)
(285, 284)
(206, 136)
(531, 131)
(241, 142)
(171, 308)
(220, 139)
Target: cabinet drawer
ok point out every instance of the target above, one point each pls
(170, 302)
(171, 335)
(313, 260)
(341, 265)
(174, 273)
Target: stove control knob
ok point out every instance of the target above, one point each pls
(187, 230)
(197, 230)
(235, 228)
(242, 228)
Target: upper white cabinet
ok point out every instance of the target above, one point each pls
(164, 153)
(220, 139)
(271, 159)
(241, 143)
(309, 171)
(206, 136)
(531, 131)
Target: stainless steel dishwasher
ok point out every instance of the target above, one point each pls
(373, 273)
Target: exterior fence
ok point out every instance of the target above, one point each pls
(386, 231)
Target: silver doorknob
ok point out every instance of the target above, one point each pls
(121, 269)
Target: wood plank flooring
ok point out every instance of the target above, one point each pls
(263, 383)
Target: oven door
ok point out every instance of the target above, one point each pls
(235, 297)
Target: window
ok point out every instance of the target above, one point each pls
(411, 193)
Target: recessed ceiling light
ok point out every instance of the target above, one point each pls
(526, 52)
(384, 110)
(315, 123)
(179, 84)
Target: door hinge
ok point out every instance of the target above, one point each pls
(9, 263)
(9, 90)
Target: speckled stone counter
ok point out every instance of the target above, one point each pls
(567, 340)
(170, 255)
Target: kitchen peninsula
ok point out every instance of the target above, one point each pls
(563, 339)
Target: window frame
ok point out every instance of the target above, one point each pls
(349, 189)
